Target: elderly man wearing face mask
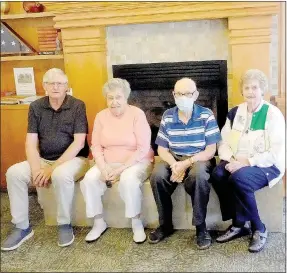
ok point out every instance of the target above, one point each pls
(186, 141)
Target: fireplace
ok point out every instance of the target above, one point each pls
(152, 86)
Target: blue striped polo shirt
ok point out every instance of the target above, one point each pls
(191, 138)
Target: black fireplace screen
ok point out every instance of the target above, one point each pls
(152, 86)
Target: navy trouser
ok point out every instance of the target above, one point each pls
(236, 191)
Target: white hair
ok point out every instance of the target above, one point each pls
(255, 74)
(116, 83)
(49, 75)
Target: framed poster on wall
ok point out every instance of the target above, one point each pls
(24, 81)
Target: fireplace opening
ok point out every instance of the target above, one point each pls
(152, 86)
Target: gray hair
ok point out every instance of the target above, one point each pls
(255, 74)
(51, 72)
(116, 83)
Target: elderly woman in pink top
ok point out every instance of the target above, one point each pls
(122, 152)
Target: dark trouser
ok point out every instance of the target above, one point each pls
(236, 191)
(195, 183)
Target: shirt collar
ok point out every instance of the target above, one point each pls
(66, 103)
(259, 106)
(195, 113)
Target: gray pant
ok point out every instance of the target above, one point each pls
(195, 183)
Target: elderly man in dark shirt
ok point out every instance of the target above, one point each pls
(57, 151)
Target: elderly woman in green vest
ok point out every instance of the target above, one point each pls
(252, 153)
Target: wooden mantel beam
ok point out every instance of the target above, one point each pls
(82, 14)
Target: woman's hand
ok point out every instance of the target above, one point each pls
(114, 175)
(243, 160)
(234, 166)
(105, 172)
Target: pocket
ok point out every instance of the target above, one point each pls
(67, 127)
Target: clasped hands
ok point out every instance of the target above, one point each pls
(178, 170)
(110, 174)
(236, 164)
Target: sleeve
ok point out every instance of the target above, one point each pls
(81, 122)
(162, 136)
(97, 148)
(32, 121)
(276, 133)
(143, 137)
(224, 150)
(212, 133)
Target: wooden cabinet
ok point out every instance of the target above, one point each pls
(13, 135)
(14, 118)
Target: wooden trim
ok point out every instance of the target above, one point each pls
(14, 107)
(32, 58)
(139, 8)
(85, 49)
(119, 13)
(26, 16)
(250, 40)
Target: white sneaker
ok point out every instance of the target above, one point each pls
(139, 235)
(96, 232)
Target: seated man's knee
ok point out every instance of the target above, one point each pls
(199, 171)
(197, 176)
(61, 175)
(12, 172)
(15, 173)
(160, 172)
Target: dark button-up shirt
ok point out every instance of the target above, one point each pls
(56, 128)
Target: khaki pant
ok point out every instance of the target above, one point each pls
(63, 177)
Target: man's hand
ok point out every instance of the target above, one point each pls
(177, 177)
(42, 177)
(179, 167)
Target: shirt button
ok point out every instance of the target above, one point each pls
(267, 173)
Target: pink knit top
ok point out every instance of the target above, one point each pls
(124, 139)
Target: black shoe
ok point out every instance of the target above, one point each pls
(159, 234)
(203, 239)
(232, 233)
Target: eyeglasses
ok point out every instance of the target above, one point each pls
(60, 84)
(179, 94)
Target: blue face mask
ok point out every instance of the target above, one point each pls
(184, 104)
